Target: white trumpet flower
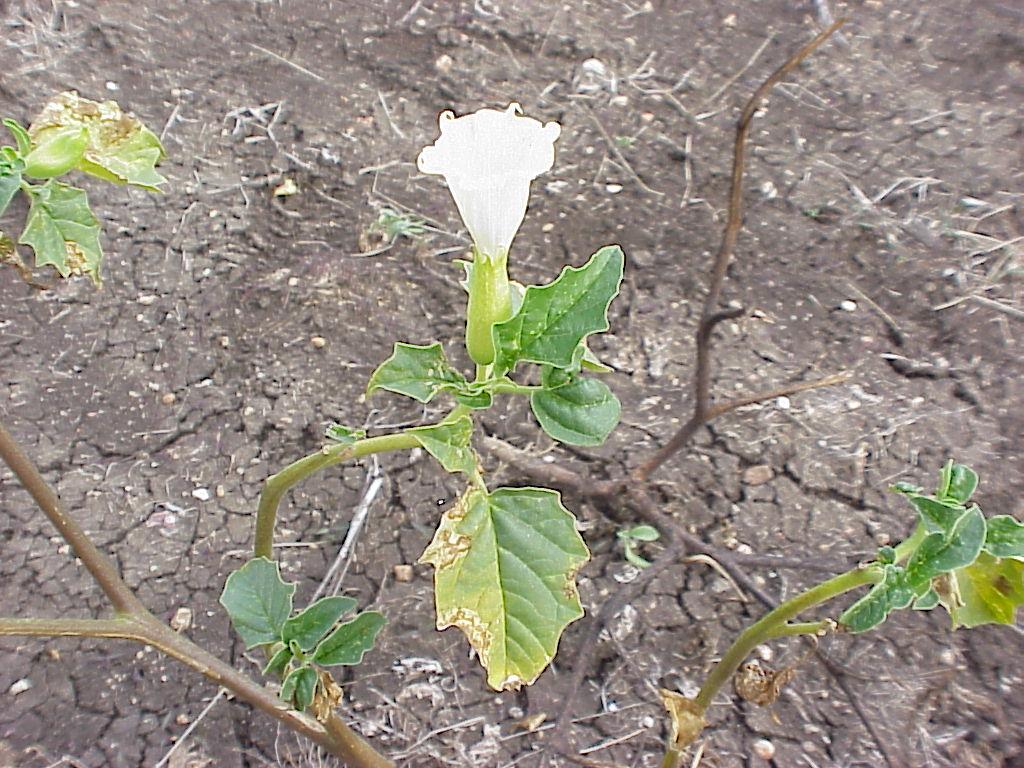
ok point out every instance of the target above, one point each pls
(488, 158)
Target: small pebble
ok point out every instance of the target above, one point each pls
(182, 619)
(647, 117)
(729, 21)
(783, 403)
(318, 341)
(169, 398)
(20, 686)
(764, 749)
(403, 573)
(619, 101)
(203, 494)
(848, 306)
(613, 189)
(547, 227)
(112, 86)
(183, 719)
(757, 475)
(444, 64)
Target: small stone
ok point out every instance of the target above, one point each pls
(769, 191)
(286, 188)
(852, 405)
(547, 227)
(203, 494)
(225, 342)
(882, 539)
(848, 305)
(757, 475)
(169, 398)
(444, 64)
(783, 403)
(403, 573)
(318, 341)
(220, 491)
(112, 86)
(20, 686)
(619, 101)
(764, 749)
(646, 117)
(948, 657)
(146, 299)
(613, 189)
(183, 719)
(182, 619)
(729, 21)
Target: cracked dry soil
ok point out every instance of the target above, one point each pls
(884, 184)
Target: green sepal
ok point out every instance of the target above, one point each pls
(419, 372)
(299, 687)
(258, 601)
(556, 318)
(504, 574)
(62, 230)
(582, 412)
(279, 661)
(311, 625)
(342, 434)
(349, 642)
(1005, 537)
(119, 147)
(449, 443)
(892, 593)
(21, 136)
(57, 154)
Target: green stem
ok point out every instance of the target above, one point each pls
(297, 471)
(764, 629)
(795, 628)
(333, 735)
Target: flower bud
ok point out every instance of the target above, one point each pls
(57, 154)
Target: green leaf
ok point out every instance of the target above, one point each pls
(62, 230)
(962, 483)
(58, 153)
(892, 593)
(299, 688)
(474, 398)
(633, 558)
(342, 434)
(10, 178)
(589, 361)
(449, 443)
(505, 565)
(927, 601)
(937, 516)
(258, 601)
(21, 136)
(1005, 537)
(119, 148)
(989, 591)
(348, 643)
(940, 553)
(583, 412)
(554, 319)
(416, 372)
(309, 627)
(279, 661)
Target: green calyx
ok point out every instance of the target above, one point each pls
(59, 153)
(490, 302)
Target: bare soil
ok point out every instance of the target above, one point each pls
(883, 198)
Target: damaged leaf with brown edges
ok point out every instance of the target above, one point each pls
(686, 717)
(118, 147)
(505, 565)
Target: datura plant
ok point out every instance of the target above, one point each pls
(957, 557)
(505, 559)
(71, 133)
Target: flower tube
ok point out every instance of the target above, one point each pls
(488, 159)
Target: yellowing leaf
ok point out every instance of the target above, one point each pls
(505, 565)
(120, 148)
(989, 591)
